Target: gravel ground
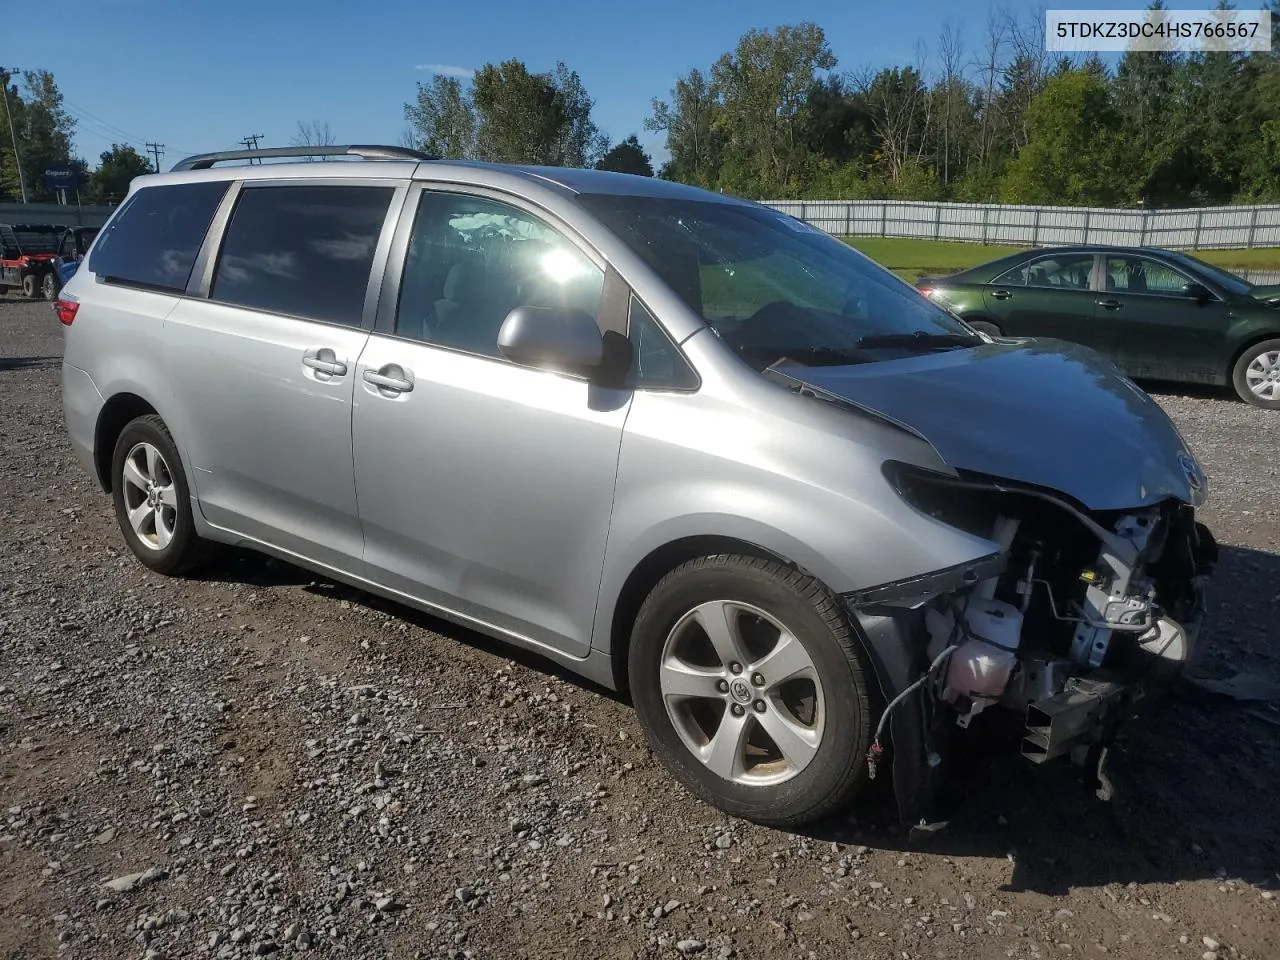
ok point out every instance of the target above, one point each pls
(255, 761)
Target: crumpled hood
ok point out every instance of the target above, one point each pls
(1041, 412)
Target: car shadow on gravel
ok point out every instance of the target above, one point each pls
(29, 363)
(1194, 776)
(257, 570)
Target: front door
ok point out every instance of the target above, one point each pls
(485, 487)
(264, 370)
(1160, 332)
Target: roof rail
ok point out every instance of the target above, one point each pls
(203, 161)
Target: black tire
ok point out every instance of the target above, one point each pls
(49, 286)
(1239, 375)
(813, 616)
(985, 326)
(29, 287)
(183, 550)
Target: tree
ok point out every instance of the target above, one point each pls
(689, 123)
(1144, 87)
(1073, 151)
(443, 119)
(899, 104)
(539, 118)
(117, 168)
(627, 157)
(580, 143)
(313, 133)
(762, 88)
(43, 130)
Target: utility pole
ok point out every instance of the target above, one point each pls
(156, 150)
(251, 143)
(17, 159)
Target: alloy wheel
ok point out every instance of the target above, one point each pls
(150, 496)
(742, 693)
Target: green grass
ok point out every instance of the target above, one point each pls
(911, 258)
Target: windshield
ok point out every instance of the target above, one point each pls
(1223, 278)
(37, 239)
(774, 288)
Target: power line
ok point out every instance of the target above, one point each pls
(156, 150)
(111, 128)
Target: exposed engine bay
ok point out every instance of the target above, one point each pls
(1077, 616)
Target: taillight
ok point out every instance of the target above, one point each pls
(66, 310)
(927, 291)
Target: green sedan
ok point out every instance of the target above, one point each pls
(1157, 314)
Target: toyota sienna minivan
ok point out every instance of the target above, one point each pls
(679, 443)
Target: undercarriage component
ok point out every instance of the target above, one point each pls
(1076, 716)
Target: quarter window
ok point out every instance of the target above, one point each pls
(473, 260)
(303, 251)
(154, 240)
(656, 364)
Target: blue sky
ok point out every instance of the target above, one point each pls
(200, 76)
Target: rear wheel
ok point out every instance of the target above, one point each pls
(985, 326)
(29, 286)
(1256, 375)
(49, 286)
(752, 688)
(152, 501)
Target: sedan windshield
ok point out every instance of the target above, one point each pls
(774, 288)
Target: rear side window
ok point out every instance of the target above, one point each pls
(154, 240)
(303, 251)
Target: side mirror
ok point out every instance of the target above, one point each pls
(1196, 291)
(567, 341)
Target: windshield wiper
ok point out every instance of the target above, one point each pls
(920, 338)
(820, 356)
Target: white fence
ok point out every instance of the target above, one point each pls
(1225, 227)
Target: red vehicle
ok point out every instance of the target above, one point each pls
(28, 252)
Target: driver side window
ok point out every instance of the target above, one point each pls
(473, 260)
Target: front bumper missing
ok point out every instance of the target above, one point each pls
(1081, 715)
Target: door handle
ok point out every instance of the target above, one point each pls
(323, 360)
(1002, 295)
(386, 378)
(1109, 304)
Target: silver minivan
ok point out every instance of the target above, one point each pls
(679, 443)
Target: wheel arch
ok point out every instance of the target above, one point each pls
(1245, 346)
(655, 565)
(115, 415)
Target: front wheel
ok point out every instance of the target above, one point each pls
(1256, 375)
(29, 286)
(152, 501)
(752, 689)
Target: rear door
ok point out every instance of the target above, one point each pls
(1160, 332)
(1049, 296)
(264, 368)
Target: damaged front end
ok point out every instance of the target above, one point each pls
(1075, 617)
